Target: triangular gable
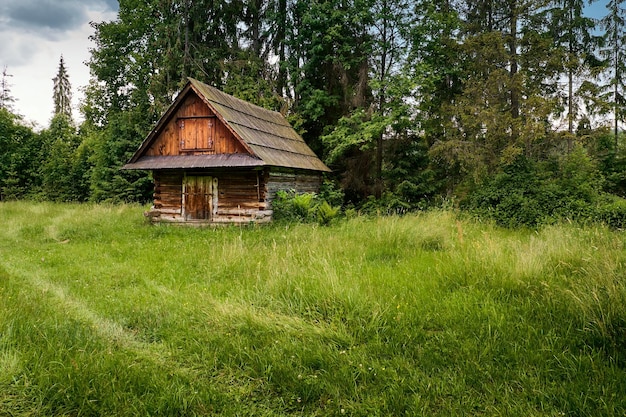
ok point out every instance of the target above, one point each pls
(267, 133)
(264, 134)
(167, 117)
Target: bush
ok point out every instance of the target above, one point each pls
(331, 193)
(326, 213)
(303, 207)
(388, 204)
(529, 194)
(612, 212)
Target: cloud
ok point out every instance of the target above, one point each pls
(49, 17)
(34, 34)
(16, 50)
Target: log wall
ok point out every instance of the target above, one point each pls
(240, 199)
(244, 196)
(291, 180)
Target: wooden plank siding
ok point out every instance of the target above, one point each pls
(243, 196)
(194, 130)
(291, 180)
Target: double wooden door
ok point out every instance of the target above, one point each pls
(199, 197)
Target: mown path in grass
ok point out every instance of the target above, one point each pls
(103, 314)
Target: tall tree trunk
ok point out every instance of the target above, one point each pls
(381, 102)
(615, 112)
(281, 82)
(514, 93)
(570, 82)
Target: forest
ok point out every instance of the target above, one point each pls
(509, 109)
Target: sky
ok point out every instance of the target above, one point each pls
(35, 33)
(33, 36)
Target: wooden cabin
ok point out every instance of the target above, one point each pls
(218, 159)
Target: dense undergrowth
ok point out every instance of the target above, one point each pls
(427, 314)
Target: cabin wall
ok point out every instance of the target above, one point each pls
(243, 196)
(291, 180)
(240, 196)
(208, 136)
(168, 196)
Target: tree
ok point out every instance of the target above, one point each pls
(501, 110)
(61, 142)
(389, 86)
(250, 75)
(20, 157)
(614, 52)
(435, 64)
(572, 34)
(329, 49)
(62, 94)
(6, 99)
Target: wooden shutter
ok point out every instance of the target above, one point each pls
(197, 133)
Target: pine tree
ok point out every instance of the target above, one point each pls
(62, 94)
(572, 34)
(6, 99)
(500, 111)
(614, 52)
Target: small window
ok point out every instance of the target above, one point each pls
(197, 133)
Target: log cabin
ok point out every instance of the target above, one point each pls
(216, 159)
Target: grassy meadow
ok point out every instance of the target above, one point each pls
(426, 315)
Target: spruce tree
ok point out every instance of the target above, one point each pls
(614, 52)
(6, 99)
(62, 95)
(574, 42)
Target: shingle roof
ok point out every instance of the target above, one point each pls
(267, 134)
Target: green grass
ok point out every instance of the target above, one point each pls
(104, 314)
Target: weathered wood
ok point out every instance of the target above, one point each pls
(194, 130)
(220, 195)
(291, 180)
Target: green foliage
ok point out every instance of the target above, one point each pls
(282, 207)
(113, 146)
(410, 173)
(21, 155)
(530, 194)
(388, 204)
(60, 174)
(326, 213)
(331, 193)
(303, 208)
(302, 204)
(612, 212)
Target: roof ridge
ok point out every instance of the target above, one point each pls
(246, 104)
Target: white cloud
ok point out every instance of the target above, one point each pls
(35, 34)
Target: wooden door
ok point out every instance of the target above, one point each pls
(197, 197)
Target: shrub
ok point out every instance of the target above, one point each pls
(388, 204)
(530, 194)
(303, 207)
(331, 193)
(326, 213)
(612, 212)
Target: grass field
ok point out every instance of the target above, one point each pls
(104, 314)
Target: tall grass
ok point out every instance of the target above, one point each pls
(104, 314)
